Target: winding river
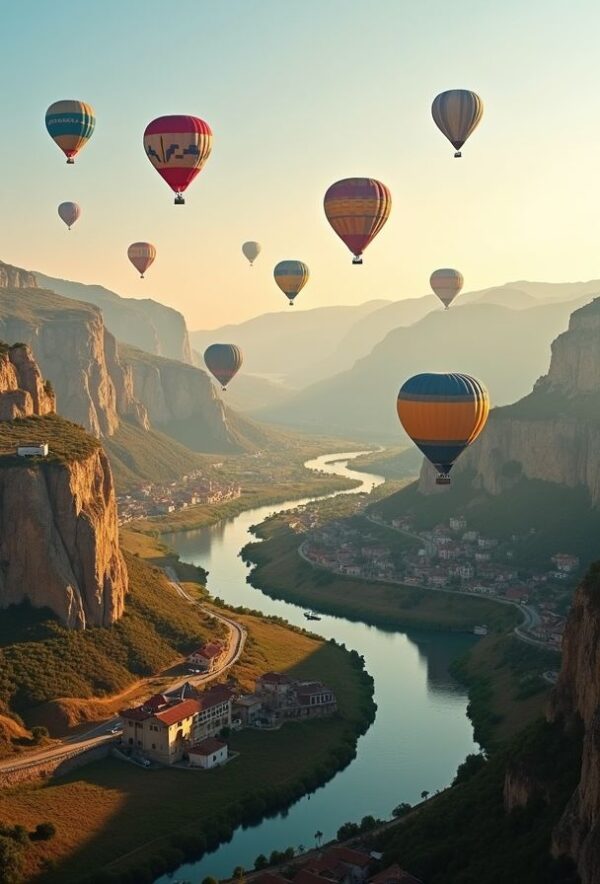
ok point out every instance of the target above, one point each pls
(421, 732)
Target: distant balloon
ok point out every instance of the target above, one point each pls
(70, 124)
(178, 146)
(141, 255)
(357, 209)
(443, 414)
(69, 213)
(251, 251)
(446, 283)
(457, 114)
(223, 361)
(291, 277)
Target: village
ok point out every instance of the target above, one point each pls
(451, 557)
(161, 499)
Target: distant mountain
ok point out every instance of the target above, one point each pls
(290, 344)
(507, 349)
(143, 323)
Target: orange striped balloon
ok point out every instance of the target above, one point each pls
(357, 209)
(141, 255)
(446, 283)
(291, 277)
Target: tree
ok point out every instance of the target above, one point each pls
(38, 734)
(301, 848)
(239, 872)
(11, 861)
(368, 823)
(261, 862)
(318, 837)
(402, 809)
(424, 794)
(469, 767)
(209, 880)
(348, 830)
(43, 832)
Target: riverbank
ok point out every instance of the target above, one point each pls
(280, 572)
(102, 811)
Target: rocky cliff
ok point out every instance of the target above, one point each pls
(22, 388)
(576, 700)
(553, 434)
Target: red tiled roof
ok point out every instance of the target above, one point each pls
(394, 875)
(209, 651)
(275, 678)
(155, 702)
(306, 877)
(269, 878)
(214, 697)
(207, 746)
(349, 856)
(178, 712)
(135, 714)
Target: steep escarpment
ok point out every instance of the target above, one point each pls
(143, 323)
(22, 388)
(553, 434)
(576, 701)
(182, 402)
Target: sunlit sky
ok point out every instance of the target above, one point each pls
(300, 93)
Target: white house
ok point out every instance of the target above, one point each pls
(209, 753)
(34, 449)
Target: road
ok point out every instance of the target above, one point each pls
(102, 733)
(531, 618)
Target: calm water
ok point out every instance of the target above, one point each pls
(421, 732)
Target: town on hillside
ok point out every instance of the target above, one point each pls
(336, 864)
(451, 557)
(159, 499)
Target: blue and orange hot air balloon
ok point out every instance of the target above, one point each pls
(178, 146)
(443, 414)
(223, 361)
(291, 277)
(357, 209)
(70, 124)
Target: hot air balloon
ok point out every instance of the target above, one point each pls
(178, 146)
(223, 361)
(70, 124)
(443, 414)
(457, 113)
(251, 251)
(357, 209)
(141, 255)
(291, 277)
(446, 283)
(69, 213)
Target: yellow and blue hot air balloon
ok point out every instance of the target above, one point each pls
(70, 124)
(443, 414)
(223, 361)
(291, 277)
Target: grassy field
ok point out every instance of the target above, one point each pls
(253, 495)
(111, 814)
(281, 573)
(67, 441)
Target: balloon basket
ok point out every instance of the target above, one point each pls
(291, 304)
(70, 161)
(442, 480)
(179, 200)
(357, 260)
(457, 155)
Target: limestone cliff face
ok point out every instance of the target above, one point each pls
(552, 434)
(577, 699)
(16, 277)
(72, 347)
(22, 389)
(59, 540)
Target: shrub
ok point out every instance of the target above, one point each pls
(11, 861)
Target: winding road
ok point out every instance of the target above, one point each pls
(108, 731)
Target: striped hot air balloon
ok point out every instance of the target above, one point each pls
(141, 255)
(69, 213)
(70, 124)
(178, 146)
(457, 114)
(443, 414)
(291, 277)
(251, 251)
(223, 361)
(357, 209)
(446, 284)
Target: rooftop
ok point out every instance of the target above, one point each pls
(394, 875)
(207, 747)
(178, 712)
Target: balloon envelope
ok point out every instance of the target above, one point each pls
(69, 213)
(357, 209)
(70, 124)
(223, 361)
(457, 114)
(178, 146)
(291, 277)
(446, 283)
(251, 251)
(141, 255)
(443, 414)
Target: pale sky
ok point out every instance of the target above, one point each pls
(300, 93)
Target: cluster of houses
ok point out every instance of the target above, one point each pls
(338, 865)
(158, 500)
(450, 556)
(188, 725)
